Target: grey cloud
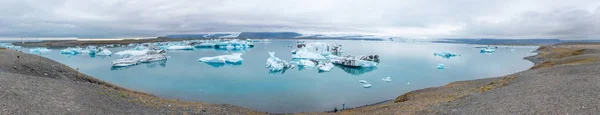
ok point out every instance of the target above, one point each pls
(410, 18)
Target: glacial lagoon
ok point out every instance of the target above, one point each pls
(410, 66)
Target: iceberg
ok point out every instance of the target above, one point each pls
(180, 47)
(72, 51)
(134, 60)
(232, 58)
(140, 48)
(104, 52)
(387, 79)
(352, 62)
(325, 66)
(446, 55)
(276, 64)
(39, 50)
(441, 66)
(362, 81)
(132, 52)
(304, 63)
(367, 85)
(320, 47)
(488, 50)
(301, 54)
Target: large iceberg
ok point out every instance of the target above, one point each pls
(320, 47)
(275, 64)
(180, 47)
(302, 54)
(133, 52)
(358, 61)
(231, 58)
(304, 63)
(446, 55)
(134, 60)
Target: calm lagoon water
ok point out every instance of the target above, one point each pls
(411, 66)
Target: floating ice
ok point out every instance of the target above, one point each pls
(367, 85)
(446, 55)
(180, 47)
(304, 62)
(72, 51)
(351, 62)
(134, 60)
(325, 66)
(441, 66)
(232, 58)
(387, 79)
(301, 54)
(133, 52)
(276, 64)
(104, 52)
(39, 50)
(320, 47)
(488, 50)
(362, 81)
(407, 83)
(140, 48)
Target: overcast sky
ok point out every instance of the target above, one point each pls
(565, 19)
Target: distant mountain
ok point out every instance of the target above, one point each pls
(501, 41)
(269, 35)
(276, 35)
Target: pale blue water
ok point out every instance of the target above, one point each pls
(251, 85)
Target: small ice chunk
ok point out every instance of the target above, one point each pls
(440, 66)
(488, 50)
(363, 81)
(367, 85)
(407, 83)
(326, 67)
(231, 58)
(180, 47)
(446, 55)
(387, 79)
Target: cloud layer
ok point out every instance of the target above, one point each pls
(572, 19)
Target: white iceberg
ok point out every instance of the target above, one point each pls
(71, 51)
(301, 54)
(104, 52)
(134, 60)
(367, 85)
(232, 58)
(276, 64)
(446, 55)
(304, 63)
(387, 79)
(350, 62)
(39, 50)
(363, 81)
(326, 67)
(441, 66)
(180, 47)
(132, 52)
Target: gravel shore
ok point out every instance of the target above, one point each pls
(32, 84)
